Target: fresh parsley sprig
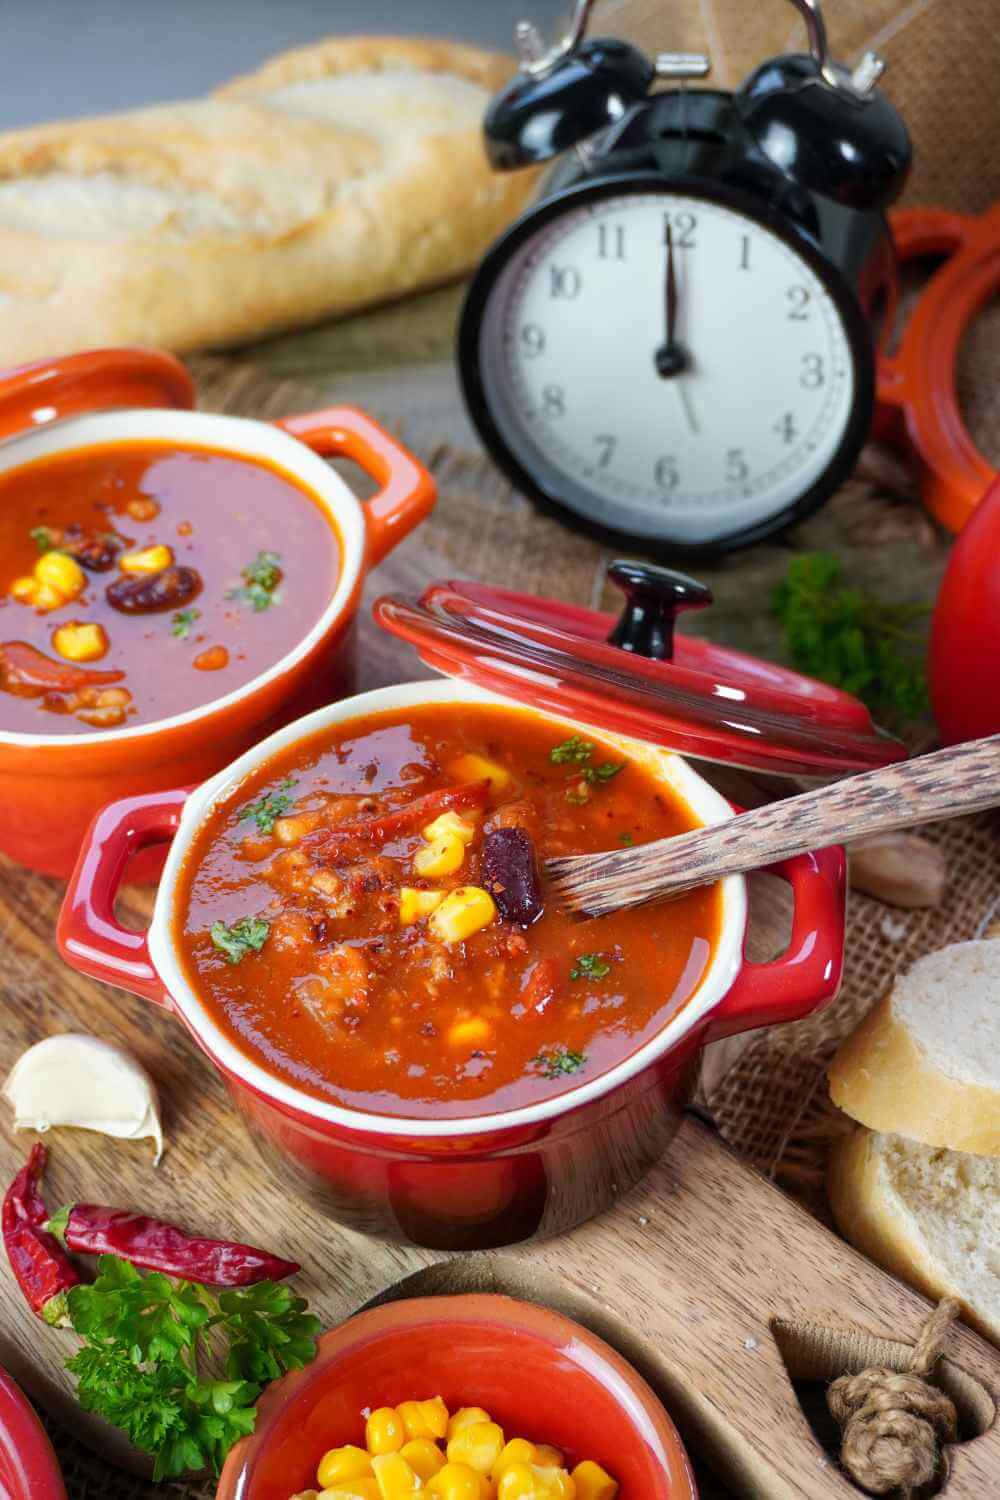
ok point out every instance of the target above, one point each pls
(261, 578)
(559, 1060)
(234, 942)
(153, 1347)
(182, 621)
(590, 966)
(577, 751)
(268, 809)
(848, 638)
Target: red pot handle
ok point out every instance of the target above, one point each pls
(808, 974)
(97, 380)
(90, 937)
(407, 491)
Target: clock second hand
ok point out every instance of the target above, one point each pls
(684, 391)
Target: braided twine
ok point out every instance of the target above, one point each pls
(893, 1424)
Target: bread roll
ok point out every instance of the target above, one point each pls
(930, 1216)
(337, 176)
(925, 1063)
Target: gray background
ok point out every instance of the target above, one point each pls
(60, 58)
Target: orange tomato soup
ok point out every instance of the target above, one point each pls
(324, 914)
(139, 580)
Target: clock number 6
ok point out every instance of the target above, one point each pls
(666, 473)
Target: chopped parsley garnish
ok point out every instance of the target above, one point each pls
(577, 751)
(626, 838)
(590, 966)
(260, 577)
(268, 809)
(559, 1060)
(574, 749)
(178, 1367)
(42, 538)
(180, 625)
(248, 935)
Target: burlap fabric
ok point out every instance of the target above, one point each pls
(770, 1102)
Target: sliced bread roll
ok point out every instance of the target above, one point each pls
(930, 1216)
(340, 175)
(925, 1063)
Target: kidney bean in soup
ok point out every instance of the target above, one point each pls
(363, 915)
(139, 580)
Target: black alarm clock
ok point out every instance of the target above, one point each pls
(676, 343)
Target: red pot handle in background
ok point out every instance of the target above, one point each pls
(407, 491)
(808, 974)
(97, 380)
(89, 935)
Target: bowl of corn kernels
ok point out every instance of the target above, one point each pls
(474, 1397)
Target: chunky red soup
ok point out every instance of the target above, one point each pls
(139, 580)
(364, 915)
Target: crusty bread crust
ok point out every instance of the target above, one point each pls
(223, 220)
(882, 1078)
(869, 1214)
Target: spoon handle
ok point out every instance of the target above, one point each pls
(961, 779)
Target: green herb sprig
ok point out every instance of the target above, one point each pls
(261, 578)
(590, 966)
(42, 538)
(248, 935)
(179, 1368)
(577, 751)
(182, 621)
(851, 640)
(558, 1061)
(266, 811)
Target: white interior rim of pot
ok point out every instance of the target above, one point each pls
(705, 803)
(240, 437)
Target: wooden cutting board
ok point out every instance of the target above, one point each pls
(700, 1276)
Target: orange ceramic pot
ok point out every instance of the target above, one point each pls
(51, 785)
(538, 1374)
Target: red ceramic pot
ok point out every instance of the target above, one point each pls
(28, 1467)
(538, 1374)
(51, 785)
(488, 1180)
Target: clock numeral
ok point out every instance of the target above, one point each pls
(564, 281)
(737, 468)
(666, 473)
(813, 372)
(744, 252)
(532, 340)
(554, 400)
(682, 230)
(611, 241)
(785, 428)
(607, 445)
(799, 298)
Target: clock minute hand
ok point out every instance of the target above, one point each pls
(671, 359)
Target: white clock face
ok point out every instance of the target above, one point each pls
(569, 366)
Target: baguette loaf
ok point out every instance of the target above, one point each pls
(925, 1063)
(338, 176)
(930, 1216)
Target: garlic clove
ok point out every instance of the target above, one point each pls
(78, 1080)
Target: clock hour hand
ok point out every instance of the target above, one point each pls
(671, 358)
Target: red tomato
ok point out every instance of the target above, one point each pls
(964, 667)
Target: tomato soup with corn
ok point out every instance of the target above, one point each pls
(364, 914)
(139, 580)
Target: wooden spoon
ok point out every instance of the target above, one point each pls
(962, 779)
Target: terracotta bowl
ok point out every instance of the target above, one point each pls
(538, 1374)
(51, 785)
(29, 1469)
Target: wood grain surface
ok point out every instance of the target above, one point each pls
(958, 780)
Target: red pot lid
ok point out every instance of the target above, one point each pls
(632, 676)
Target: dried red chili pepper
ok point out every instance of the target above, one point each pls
(387, 826)
(29, 673)
(92, 1229)
(44, 1271)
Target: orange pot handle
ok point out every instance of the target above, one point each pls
(407, 492)
(917, 404)
(97, 380)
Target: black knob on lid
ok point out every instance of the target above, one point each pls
(654, 598)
